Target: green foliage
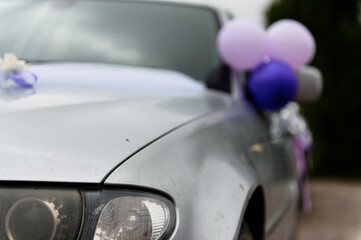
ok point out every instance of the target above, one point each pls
(336, 119)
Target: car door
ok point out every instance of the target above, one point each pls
(274, 161)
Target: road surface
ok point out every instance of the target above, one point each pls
(336, 213)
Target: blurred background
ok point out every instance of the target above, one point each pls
(335, 119)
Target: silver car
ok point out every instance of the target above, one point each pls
(135, 129)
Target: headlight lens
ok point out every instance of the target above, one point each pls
(133, 218)
(113, 214)
(29, 214)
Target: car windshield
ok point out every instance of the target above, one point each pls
(158, 35)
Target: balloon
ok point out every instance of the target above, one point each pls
(242, 44)
(291, 42)
(273, 85)
(310, 84)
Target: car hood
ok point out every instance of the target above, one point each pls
(82, 120)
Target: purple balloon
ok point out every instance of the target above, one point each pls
(291, 42)
(242, 44)
(272, 85)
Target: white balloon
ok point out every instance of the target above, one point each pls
(309, 84)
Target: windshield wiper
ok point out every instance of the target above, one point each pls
(38, 61)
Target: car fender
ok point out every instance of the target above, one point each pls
(202, 168)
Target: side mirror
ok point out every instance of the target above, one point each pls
(310, 84)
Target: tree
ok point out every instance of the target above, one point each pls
(336, 119)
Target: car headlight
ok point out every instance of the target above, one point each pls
(125, 215)
(28, 213)
(99, 214)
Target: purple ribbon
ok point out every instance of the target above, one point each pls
(24, 79)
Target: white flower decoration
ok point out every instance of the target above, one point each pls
(11, 63)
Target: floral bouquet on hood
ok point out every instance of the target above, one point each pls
(15, 72)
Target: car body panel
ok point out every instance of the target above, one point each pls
(77, 128)
(209, 169)
(202, 169)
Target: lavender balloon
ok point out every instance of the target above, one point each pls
(291, 42)
(242, 44)
(273, 85)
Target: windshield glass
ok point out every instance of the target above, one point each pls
(158, 35)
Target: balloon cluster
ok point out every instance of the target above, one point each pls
(273, 56)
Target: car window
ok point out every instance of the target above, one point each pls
(160, 35)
